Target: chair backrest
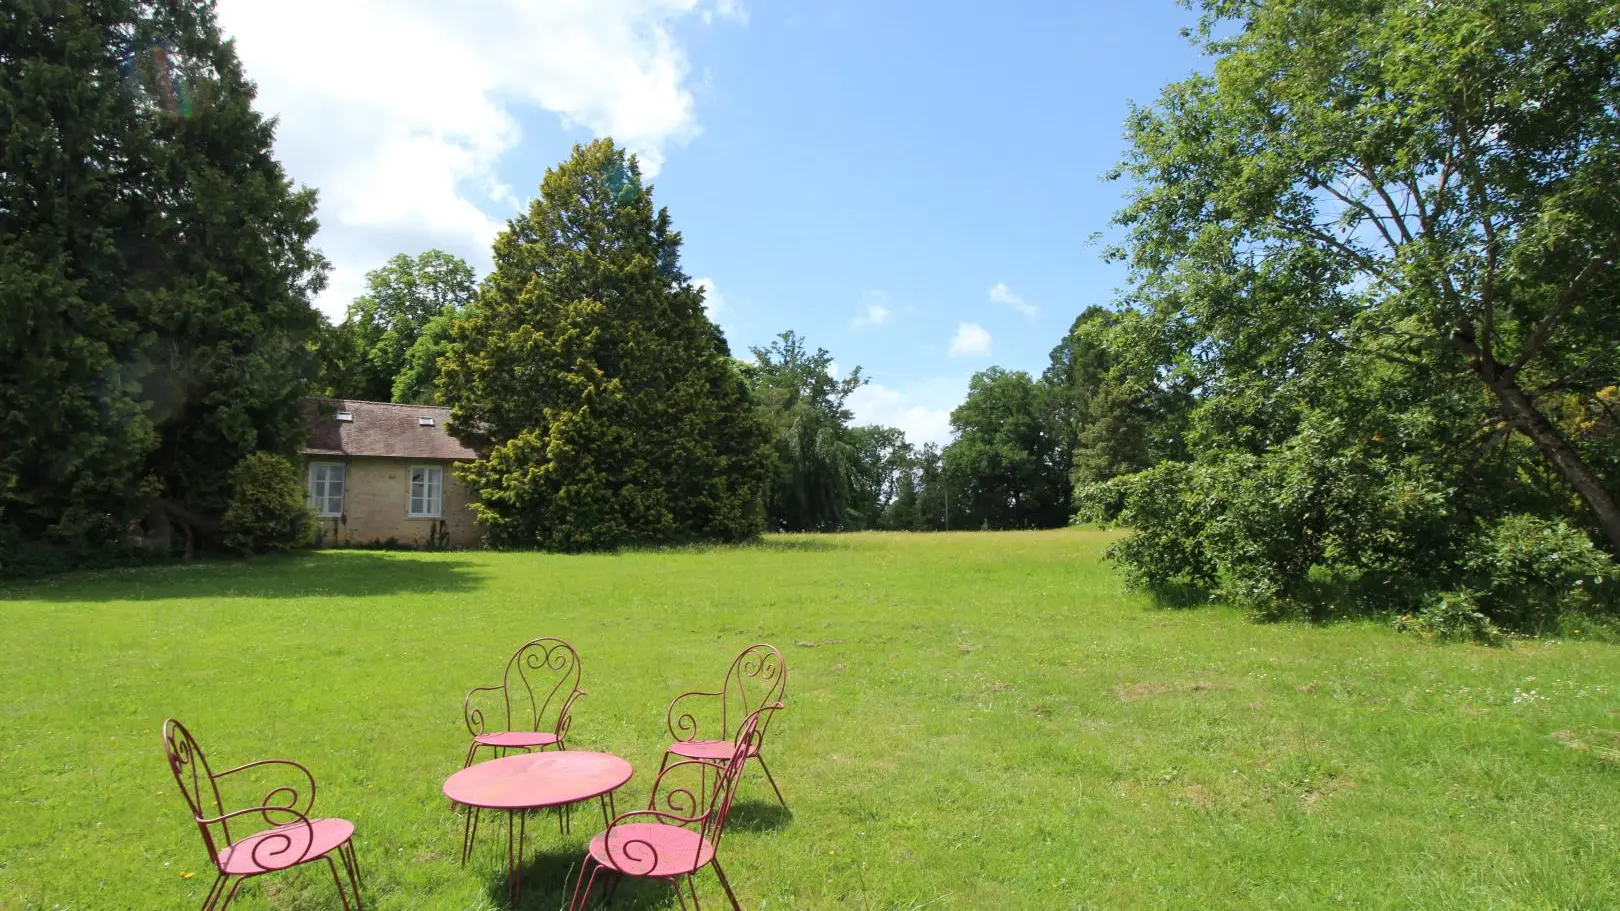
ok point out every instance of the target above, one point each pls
(757, 678)
(749, 734)
(196, 780)
(540, 685)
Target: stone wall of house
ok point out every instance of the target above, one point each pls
(376, 500)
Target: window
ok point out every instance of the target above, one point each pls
(427, 491)
(326, 488)
(345, 417)
(424, 422)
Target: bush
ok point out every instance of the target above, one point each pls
(1455, 616)
(267, 511)
(1529, 571)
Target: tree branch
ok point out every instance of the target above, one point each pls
(1364, 209)
(1566, 302)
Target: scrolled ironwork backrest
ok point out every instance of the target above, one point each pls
(541, 681)
(749, 735)
(196, 780)
(757, 678)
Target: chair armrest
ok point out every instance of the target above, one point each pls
(272, 850)
(474, 715)
(280, 797)
(683, 725)
(564, 720)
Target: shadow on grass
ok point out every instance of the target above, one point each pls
(548, 885)
(751, 815)
(307, 574)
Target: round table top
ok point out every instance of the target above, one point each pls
(533, 780)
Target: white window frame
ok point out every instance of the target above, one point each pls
(432, 496)
(320, 498)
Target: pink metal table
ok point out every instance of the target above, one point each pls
(532, 781)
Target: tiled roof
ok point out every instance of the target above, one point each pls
(382, 429)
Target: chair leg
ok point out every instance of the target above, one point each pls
(215, 892)
(721, 874)
(343, 894)
(612, 887)
(580, 899)
(691, 883)
(351, 863)
(471, 752)
(676, 882)
(231, 894)
(771, 778)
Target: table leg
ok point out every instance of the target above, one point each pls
(469, 833)
(514, 855)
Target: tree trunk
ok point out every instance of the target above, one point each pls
(1524, 415)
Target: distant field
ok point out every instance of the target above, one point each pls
(974, 721)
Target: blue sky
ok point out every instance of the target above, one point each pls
(865, 174)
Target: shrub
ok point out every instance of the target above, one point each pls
(267, 510)
(1455, 616)
(1529, 571)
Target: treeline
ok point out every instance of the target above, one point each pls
(1021, 443)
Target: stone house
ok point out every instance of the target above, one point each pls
(379, 473)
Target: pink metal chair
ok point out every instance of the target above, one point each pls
(292, 836)
(537, 692)
(680, 839)
(757, 678)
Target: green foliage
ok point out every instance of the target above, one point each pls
(1530, 571)
(882, 464)
(1007, 467)
(409, 299)
(607, 403)
(1112, 410)
(267, 511)
(418, 381)
(817, 465)
(1384, 276)
(155, 275)
(1454, 617)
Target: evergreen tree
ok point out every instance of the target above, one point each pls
(155, 273)
(607, 403)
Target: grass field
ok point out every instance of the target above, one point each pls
(974, 721)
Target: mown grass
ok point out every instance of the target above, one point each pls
(975, 721)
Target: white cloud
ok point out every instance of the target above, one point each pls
(875, 403)
(727, 9)
(400, 110)
(713, 302)
(970, 339)
(875, 315)
(832, 369)
(1001, 294)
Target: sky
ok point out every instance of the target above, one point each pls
(915, 187)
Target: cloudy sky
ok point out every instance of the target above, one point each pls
(910, 186)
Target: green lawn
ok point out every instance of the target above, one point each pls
(974, 721)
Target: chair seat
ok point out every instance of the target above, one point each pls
(284, 846)
(517, 739)
(652, 849)
(708, 749)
